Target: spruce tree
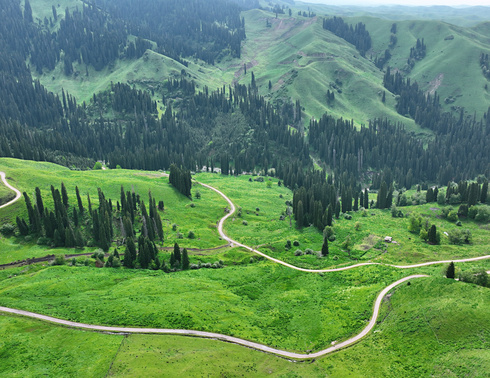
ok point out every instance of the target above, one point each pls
(185, 259)
(433, 235)
(177, 254)
(484, 192)
(79, 200)
(39, 201)
(300, 215)
(64, 195)
(325, 246)
(130, 254)
(450, 272)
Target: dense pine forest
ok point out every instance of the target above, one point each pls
(233, 127)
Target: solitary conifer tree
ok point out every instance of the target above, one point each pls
(450, 272)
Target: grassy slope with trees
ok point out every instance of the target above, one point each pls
(300, 50)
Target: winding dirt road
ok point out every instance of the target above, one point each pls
(17, 192)
(236, 243)
(234, 340)
(217, 336)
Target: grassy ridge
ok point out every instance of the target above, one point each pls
(441, 69)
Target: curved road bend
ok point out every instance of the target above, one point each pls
(217, 336)
(234, 242)
(226, 338)
(17, 192)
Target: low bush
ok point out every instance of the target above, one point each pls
(7, 229)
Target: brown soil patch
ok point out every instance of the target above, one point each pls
(435, 84)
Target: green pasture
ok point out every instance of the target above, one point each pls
(433, 327)
(263, 302)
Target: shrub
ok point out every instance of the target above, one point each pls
(452, 216)
(191, 235)
(288, 245)
(179, 235)
(332, 238)
(459, 236)
(347, 216)
(198, 194)
(43, 241)
(7, 229)
(328, 231)
(97, 165)
(59, 260)
(296, 243)
(458, 223)
(357, 226)
(98, 254)
(298, 252)
(441, 197)
(472, 211)
(174, 227)
(192, 205)
(309, 251)
(483, 214)
(245, 223)
(194, 266)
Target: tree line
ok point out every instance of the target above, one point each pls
(357, 35)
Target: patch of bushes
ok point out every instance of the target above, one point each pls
(459, 237)
(7, 229)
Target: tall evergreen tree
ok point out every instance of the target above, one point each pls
(325, 246)
(450, 272)
(185, 260)
(300, 215)
(130, 254)
(79, 200)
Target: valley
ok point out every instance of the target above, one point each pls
(243, 188)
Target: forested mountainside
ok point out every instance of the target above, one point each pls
(239, 126)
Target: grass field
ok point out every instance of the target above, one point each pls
(434, 327)
(30, 348)
(263, 230)
(262, 302)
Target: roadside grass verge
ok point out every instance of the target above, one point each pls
(31, 348)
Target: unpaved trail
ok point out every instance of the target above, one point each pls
(218, 336)
(235, 340)
(17, 192)
(236, 243)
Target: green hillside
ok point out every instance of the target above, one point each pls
(303, 61)
(451, 66)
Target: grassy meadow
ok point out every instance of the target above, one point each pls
(258, 226)
(263, 302)
(434, 327)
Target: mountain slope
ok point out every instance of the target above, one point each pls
(451, 65)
